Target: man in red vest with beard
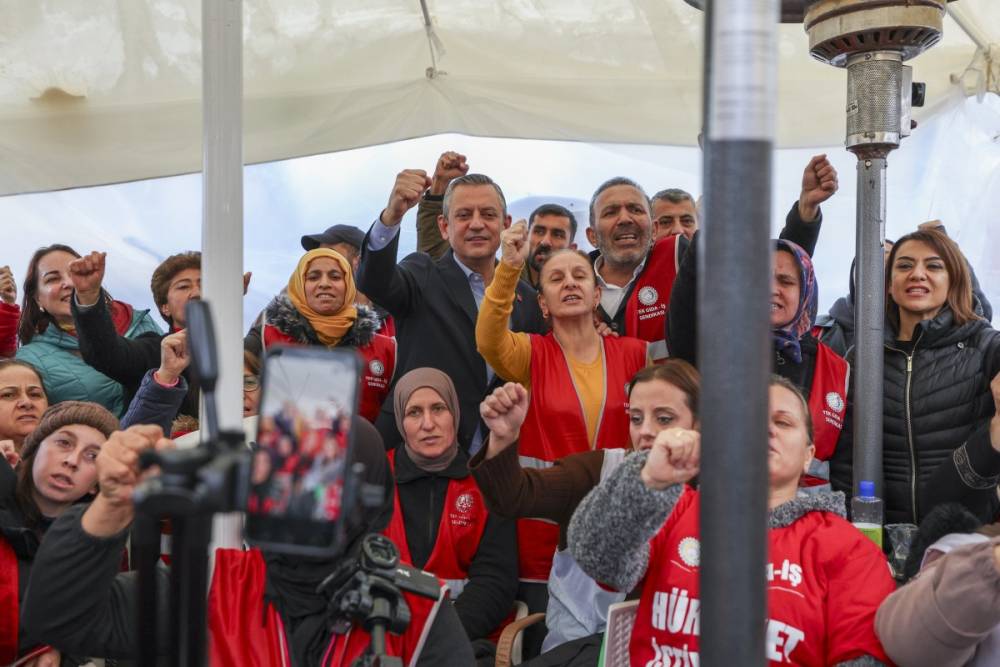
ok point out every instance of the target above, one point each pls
(636, 273)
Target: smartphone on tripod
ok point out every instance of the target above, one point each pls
(299, 470)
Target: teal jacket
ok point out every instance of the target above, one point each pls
(67, 377)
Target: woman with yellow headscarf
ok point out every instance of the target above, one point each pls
(318, 308)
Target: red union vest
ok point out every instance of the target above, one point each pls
(646, 310)
(9, 604)
(378, 360)
(824, 585)
(827, 405)
(555, 427)
(245, 633)
(463, 522)
(460, 530)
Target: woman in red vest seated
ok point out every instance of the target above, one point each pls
(660, 397)
(440, 522)
(263, 608)
(825, 578)
(817, 370)
(55, 469)
(318, 308)
(22, 400)
(576, 377)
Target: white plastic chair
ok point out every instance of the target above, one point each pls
(621, 618)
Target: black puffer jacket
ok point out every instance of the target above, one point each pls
(936, 411)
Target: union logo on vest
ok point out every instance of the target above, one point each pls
(376, 367)
(689, 550)
(648, 296)
(835, 401)
(464, 503)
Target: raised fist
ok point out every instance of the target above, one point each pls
(87, 274)
(504, 411)
(174, 357)
(118, 473)
(514, 244)
(410, 185)
(8, 451)
(674, 458)
(930, 225)
(819, 182)
(8, 288)
(450, 165)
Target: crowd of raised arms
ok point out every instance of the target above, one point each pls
(533, 414)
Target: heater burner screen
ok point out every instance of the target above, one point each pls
(873, 100)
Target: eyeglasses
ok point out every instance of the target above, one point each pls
(251, 383)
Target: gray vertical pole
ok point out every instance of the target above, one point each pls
(222, 212)
(734, 343)
(870, 317)
(875, 83)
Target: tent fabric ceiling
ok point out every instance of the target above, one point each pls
(110, 90)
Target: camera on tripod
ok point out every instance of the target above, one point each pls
(297, 487)
(369, 589)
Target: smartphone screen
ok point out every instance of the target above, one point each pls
(297, 475)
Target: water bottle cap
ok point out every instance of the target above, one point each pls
(867, 489)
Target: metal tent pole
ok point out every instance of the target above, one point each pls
(870, 316)
(735, 251)
(222, 219)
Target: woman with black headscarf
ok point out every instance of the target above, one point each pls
(440, 522)
(263, 608)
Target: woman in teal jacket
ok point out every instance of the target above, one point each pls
(48, 339)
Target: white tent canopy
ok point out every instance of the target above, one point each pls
(110, 90)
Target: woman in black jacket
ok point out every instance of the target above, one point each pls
(940, 357)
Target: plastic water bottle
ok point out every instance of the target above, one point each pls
(867, 512)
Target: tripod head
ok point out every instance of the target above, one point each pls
(368, 588)
(211, 477)
(356, 584)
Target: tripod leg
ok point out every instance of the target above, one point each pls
(179, 574)
(146, 551)
(190, 584)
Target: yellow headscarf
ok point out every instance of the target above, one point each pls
(329, 328)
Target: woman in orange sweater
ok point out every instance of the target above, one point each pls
(576, 377)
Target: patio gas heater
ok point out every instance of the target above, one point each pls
(872, 39)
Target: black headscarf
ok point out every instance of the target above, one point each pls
(292, 580)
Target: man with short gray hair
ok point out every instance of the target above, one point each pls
(674, 212)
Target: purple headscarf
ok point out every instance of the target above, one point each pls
(788, 336)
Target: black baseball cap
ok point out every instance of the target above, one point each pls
(337, 234)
